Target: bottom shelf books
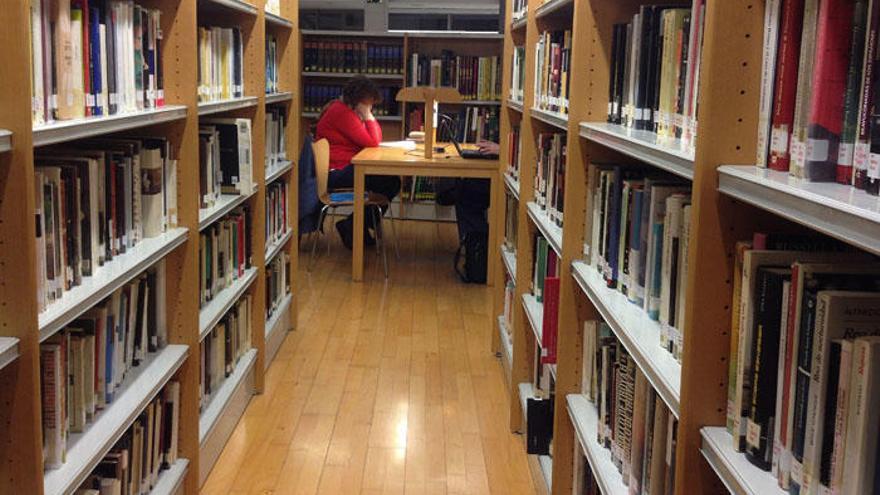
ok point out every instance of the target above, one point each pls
(148, 448)
(222, 348)
(277, 283)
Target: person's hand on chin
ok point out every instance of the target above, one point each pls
(365, 111)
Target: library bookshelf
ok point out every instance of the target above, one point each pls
(729, 202)
(23, 326)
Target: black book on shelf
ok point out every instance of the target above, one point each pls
(539, 426)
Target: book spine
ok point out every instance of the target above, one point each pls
(844, 168)
(768, 78)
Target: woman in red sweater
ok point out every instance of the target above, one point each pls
(349, 125)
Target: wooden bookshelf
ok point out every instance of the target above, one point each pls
(23, 327)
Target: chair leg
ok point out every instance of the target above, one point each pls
(394, 233)
(332, 210)
(380, 238)
(317, 233)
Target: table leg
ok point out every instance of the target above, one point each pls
(357, 257)
(494, 210)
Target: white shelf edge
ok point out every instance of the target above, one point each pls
(279, 170)
(225, 204)
(278, 20)
(512, 185)
(535, 314)
(519, 23)
(838, 210)
(171, 480)
(273, 249)
(214, 310)
(349, 75)
(236, 5)
(670, 155)
(113, 275)
(515, 105)
(278, 97)
(733, 469)
(546, 463)
(551, 7)
(549, 230)
(639, 334)
(585, 419)
(506, 347)
(5, 141)
(473, 35)
(272, 322)
(219, 106)
(274, 335)
(69, 130)
(88, 448)
(509, 258)
(8, 351)
(212, 413)
(558, 120)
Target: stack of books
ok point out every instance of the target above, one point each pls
(225, 159)
(221, 69)
(224, 253)
(552, 65)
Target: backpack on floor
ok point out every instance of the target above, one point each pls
(472, 257)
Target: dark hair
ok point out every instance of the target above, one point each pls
(358, 89)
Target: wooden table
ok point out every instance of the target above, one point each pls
(396, 161)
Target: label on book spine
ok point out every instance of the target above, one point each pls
(797, 471)
(874, 166)
(779, 140)
(845, 154)
(753, 434)
(860, 156)
(817, 150)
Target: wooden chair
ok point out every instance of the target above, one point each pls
(337, 198)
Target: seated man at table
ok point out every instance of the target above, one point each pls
(349, 126)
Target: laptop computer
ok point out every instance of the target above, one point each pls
(467, 154)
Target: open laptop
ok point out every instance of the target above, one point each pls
(468, 154)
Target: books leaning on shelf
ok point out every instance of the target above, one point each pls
(354, 57)
(655, 67)
(511, 215)
(225, 159)
(277, 283)
(276, 211)
(112, 59)
(224, 253)
(221, 349)
(585, 482)
(418, 189)
(84, 365)
(221, 59)
(550, 174)
(472, 124)
(552, 65)
(634, 423)
(476, 78)
(146, 449)
(514, 151)
(317, 96)
(96, 199)
(545, 288)
(509, 302)
(276, 141)
(804, 390)
(818, 117)
(518, 76)
(271, 63)
(639, 241)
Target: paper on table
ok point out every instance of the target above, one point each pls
(406, 145)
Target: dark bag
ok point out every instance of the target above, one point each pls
(472, 257)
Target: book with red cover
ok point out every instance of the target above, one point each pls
(786, 84)
(551, 321)
(825, 119)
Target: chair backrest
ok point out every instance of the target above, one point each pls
(321, 150)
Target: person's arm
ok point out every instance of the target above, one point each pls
(366, 134)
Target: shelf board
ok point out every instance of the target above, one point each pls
(274, 248)
(476, 103)
(351, 34)
(638, 333)
(274, 334)
(512, 185)
(69, 130)
(277, 20)
(585, 419)
(214, 310)
(380, 118)
(520, 23)
(85, 450)
(212, 413)
(235, 5)
(113, 275)
(171, 480)
(219, 106)
(225, 204)
(509, 258)
(535, 314)
(550, 231)
(841, 211)
(546, 463)
(8, 351)
(515, 105)
(273, 320)
(349, 75)
(281, 168)
(5, 140)
(551, 7)
(740, 476)
(558, 120)
(506, 347)
(472, 35)
(278, 97)
(670, 154)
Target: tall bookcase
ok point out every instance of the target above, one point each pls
(23, 327)
(728, 204)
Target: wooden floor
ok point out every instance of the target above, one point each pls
(383, 388)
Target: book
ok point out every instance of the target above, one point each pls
(552, 66)
(863, 419)
(222, 348)
(475, 77)
(352, 56)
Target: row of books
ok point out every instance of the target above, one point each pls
(271, 64)
(545, 288)
(222, 348)
(818, 116)
(550, 174)
(514, 151)
(112, 59)
(634, 423)
(85, 364)
(276, 211)
(224, 253)
(317, 96)
(225, 159)
(518, 74)
(276, 139)
(277, 283)
(221, 63)
(476, 78)
(639, 242)
(418, 189)
(803, 397)
(519, 8)
(147, 448)
(655, 67)
(552, 67)
(96, 199)
(354, 57)
(477, 123)
(511, 216)
(509, 305)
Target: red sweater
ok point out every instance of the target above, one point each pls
(347, 133)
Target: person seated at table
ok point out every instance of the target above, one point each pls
(349, 126)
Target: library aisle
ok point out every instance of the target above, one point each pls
(373, 394)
